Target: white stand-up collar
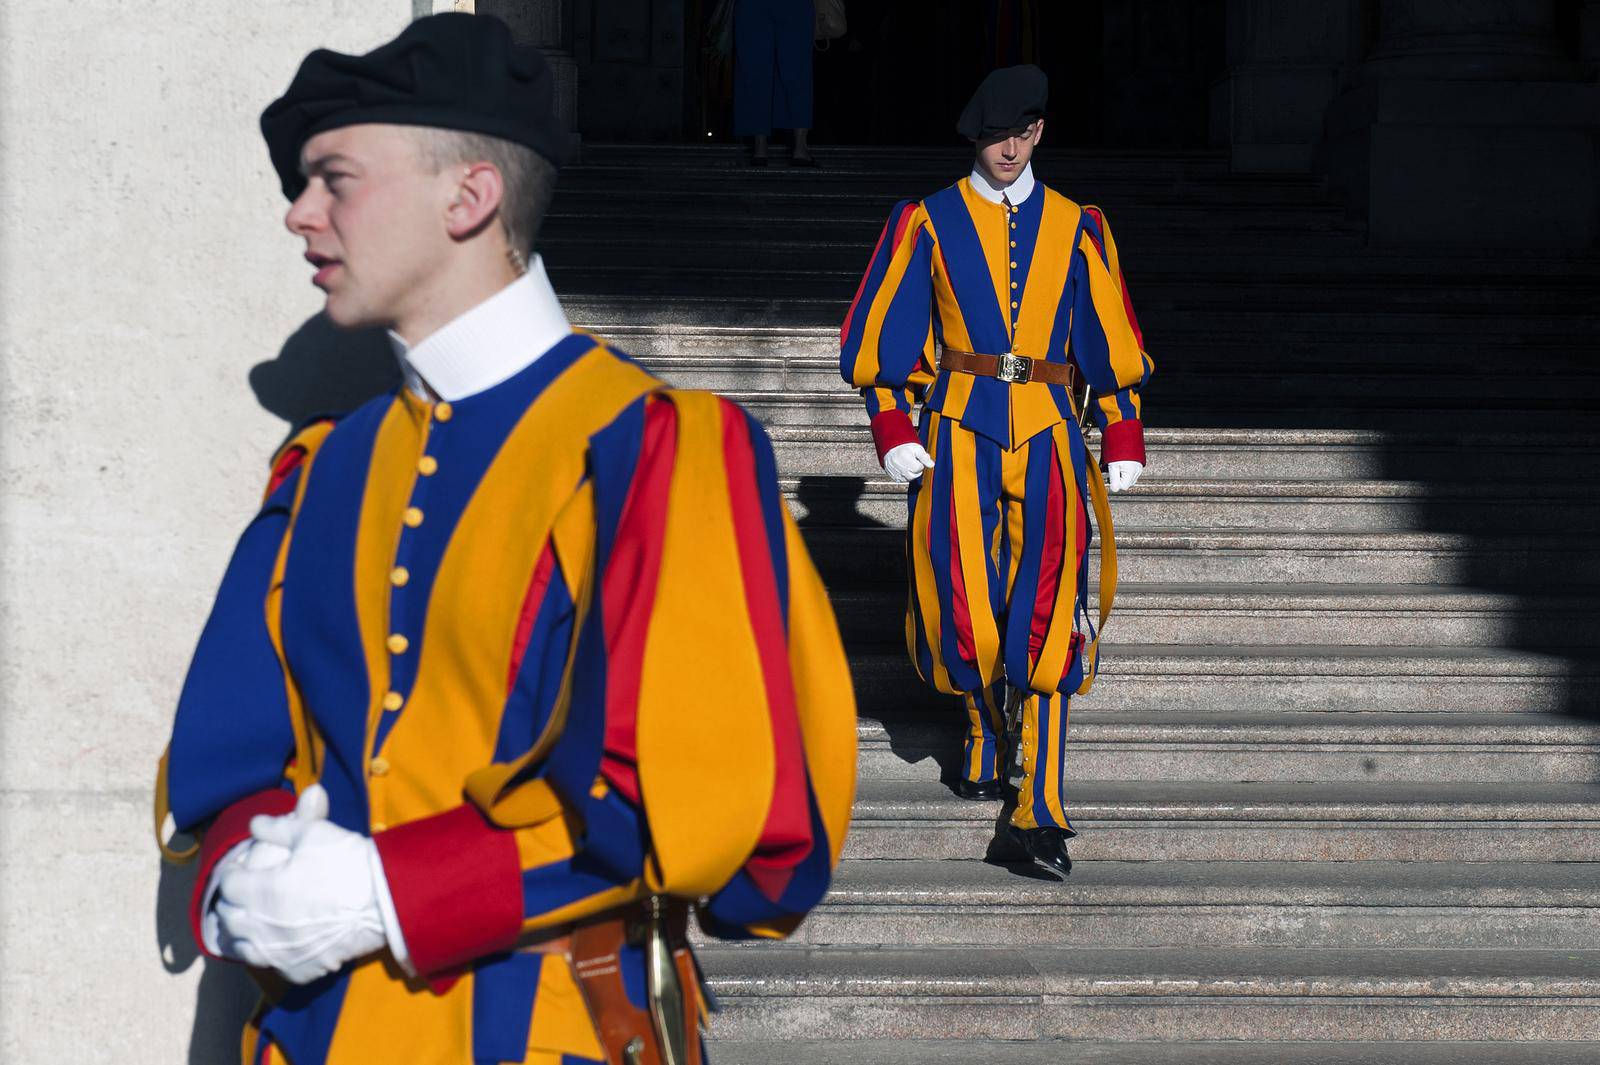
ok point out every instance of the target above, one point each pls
(1019, 190)
(482, 347)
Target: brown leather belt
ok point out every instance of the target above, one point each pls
(667, 1030)
(1015, 369)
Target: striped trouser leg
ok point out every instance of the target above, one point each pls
(983, 754)
(1041, 796)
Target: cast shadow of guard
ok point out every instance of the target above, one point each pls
(323, 370)
(319, 370)
(226, 995)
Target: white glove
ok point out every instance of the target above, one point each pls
(1124, 475)
(310, 913)
(251, 854)
(905, 462)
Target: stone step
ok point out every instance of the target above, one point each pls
(793, 300)
(1192, 821)
(1175, 678)
(806, 357)
(1265, 556)
(1442, 905)
(1174, 994)
(957, 1051)
(1199, 615)
(1307, 505)
(1352, 454)
(1131, 743)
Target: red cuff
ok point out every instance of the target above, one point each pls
(890, 429)
(231, 827)
(456, 881)
(1123, 442)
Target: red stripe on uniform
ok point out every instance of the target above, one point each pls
(628, 592)
(1055, 535)
(966, 645)
(786, 837)
(531, 602)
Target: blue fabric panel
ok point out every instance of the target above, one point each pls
(503, 993)
(850, 347)
(302, 1024)
(539, 676)
(232, 735)
(321, 631)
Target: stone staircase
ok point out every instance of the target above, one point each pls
(1337, 790)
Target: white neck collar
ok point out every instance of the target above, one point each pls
(1020, 189)
(488, 344)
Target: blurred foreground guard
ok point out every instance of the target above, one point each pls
(514, 665)
(984, 303)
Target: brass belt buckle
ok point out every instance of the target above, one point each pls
(1015, 369)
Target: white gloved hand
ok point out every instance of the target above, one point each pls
(905, 462)
(251, 854)
(308, 915)
(1124, 475)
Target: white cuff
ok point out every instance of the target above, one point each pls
(391, 919)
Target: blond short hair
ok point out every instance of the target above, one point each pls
(529, 178)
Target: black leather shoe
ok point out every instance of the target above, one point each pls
(1046, 846)
(976, 789)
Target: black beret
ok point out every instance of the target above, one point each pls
(450, 71)
(1009, 99)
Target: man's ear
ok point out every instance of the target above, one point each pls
(478, 194)
(1038, 134)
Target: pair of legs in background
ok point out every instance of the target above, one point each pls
(772, 72)
(999, 541)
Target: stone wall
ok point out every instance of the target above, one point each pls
(144, 271)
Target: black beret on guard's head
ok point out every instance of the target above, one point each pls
(1009, 99)
(450, 71)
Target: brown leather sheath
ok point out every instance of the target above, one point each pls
(628, 1033)
(1003, 367)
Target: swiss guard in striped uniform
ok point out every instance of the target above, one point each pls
(514, 664)
(982, 304)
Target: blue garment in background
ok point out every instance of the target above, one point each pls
(772, 65)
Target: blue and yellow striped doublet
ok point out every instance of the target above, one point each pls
(999, 529)
(554, 646)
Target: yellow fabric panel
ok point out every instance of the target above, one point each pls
(1108, 576)
(702, 693)
(868, 364)
(927, 591)
(824, 696)
(561, 1023)
(390, 474)
(1033, 406)
(449, 728)
(973, 554)
(950, 320)
(992, 222)
(1052, 661)
(386, 1017)
(1127, 360)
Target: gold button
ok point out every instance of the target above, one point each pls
(1014, 303)
(1013, 244)
(397, 644)
(1014, 210)
(442, 412)
(1013, 225)
(412, 517)
(393, 701)
(379, 766)
(427, 465)
(379, 826)
(1013, 284)
(398, 576)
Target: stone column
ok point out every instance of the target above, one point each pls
(1468, 125)
(1286, 63)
